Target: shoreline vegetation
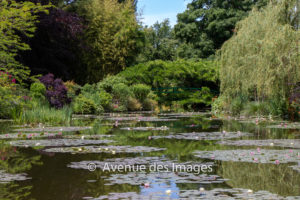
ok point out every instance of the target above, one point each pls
(248, 68)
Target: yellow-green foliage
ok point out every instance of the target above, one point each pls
(261, 61)
(16, 18)
(112, 34)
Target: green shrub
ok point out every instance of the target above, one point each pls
(256, 109)
(11, 103)
(99, 109)
(133, 104)
(141, 91)
(122, 93)
(236, 106)
(180, 73)
(88, 88)
(278, 106)
(73, 89)
(84, 105)
(218, 105)
(119, 108)
(37, 90)
(108, 83)
(198, 100)
(105, 99)
(177, 107)
(150, 105)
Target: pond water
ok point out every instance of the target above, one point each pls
(201, 158)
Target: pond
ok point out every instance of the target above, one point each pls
(149, 156)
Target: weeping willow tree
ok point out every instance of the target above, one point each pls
(261, 61)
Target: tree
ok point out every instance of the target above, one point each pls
(16, 19)
(113, 37)
(207, 24)
(160, 43)
(56, 46)
(262, 60)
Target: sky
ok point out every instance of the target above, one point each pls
(158, 10)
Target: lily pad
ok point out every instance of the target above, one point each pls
(218, 193)
(254, 156)
(204, 136)
(57, 142)
(163, 128)
(128, 195)
(295, 125)
(142, 119)
(229, 194)
(147, 161)
(28, 135)
(54, 129)
(6, 177)
(140, 178)
(87, 136)
(295, 143)
(104, 149)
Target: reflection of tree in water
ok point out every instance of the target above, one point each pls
(13, 161)
(98, 188)
(4, 126)
(11, 191)
(277, 179)
(96, 124)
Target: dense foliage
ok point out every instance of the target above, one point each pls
(56, 91)
(55, 47)
(184, 74)
(160, 43)
(112, 37)
(16, 19)
(206, 24)
(132, 68)
(264, 63)
(113, 94)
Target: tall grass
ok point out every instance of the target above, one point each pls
(46, 114)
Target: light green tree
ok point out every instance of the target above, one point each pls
(112, 36)
(17, 19)
(262, 60)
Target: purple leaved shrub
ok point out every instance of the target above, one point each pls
(56, 92)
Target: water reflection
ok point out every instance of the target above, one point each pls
(52, 179)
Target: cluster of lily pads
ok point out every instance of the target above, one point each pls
(254, 156)
(54, 129)
(295, 125)
(6, 177)
(104, 149)
(57, 142)
(230, 194)
(204, 135)
(135, 161)
(141, 119)
(142, 178)
(163, 128)
(217, 193)
(287, 143)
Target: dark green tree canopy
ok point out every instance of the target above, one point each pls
(160, 42)
(207, 24)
